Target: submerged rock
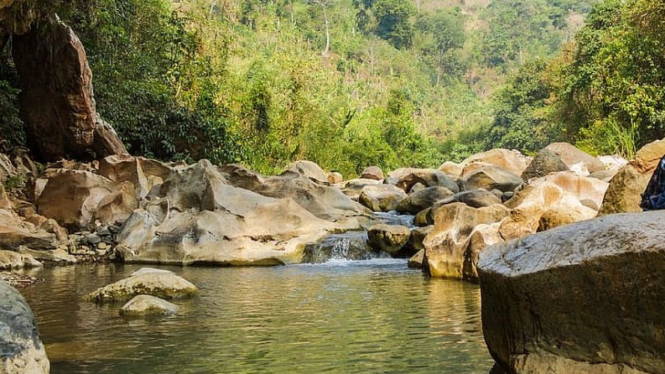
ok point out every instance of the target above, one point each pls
(21, 351)
(146, 305)
(165, 285)
(582, 298)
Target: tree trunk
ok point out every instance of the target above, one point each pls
(325, 16)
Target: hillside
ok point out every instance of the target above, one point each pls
(344, 83)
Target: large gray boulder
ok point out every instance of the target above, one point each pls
(581, 298)
(21, 351)
(423, 199)
(545, 162)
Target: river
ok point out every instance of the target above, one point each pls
(342, 316)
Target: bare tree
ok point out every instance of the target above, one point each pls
(324, 4)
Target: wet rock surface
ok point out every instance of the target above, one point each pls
(21, 351)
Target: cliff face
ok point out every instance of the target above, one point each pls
(56, 100)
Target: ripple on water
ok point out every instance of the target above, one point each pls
(339, 317)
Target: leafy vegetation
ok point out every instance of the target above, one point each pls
(350, 83)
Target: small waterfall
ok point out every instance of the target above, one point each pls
(352, 245)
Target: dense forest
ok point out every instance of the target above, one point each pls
(351, 83)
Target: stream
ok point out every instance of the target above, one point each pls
(339, 314)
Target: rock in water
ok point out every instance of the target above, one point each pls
(164, 285)
(21, 351)
(582, 298)
(146, 305)
(388, 238)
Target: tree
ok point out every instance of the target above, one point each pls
(393, 21)
(445, 30)
(520, 120)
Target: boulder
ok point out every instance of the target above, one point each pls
(408, 177)
(124, 168)
(529, 204)
(604, 175)
(482, 236)
(381, 197)
(647, 157)
(614, 162)
(416, 261)
(274, 232)
(570, 155)
(490, 178)
(335, 178)
(624, 192)
(56, 98)
(159, 284)
(512, 161)
(372, 172)
(418, 236)
(452, 169)
(199, 218)
(582, 188)
(447, 245)
(354, 187)
(581, 298)
(12, 260)
(388, 238)
(327, 203)
(56, 256)
(475, 198)
(545, 162)
(74, 198)
(423, 199)
(21, 351)
(308, 169)
(146, 305)
(15, 233)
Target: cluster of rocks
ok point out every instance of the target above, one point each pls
(584, 297)
(146, 290)
(489, 198)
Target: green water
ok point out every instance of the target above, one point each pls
(343, 316)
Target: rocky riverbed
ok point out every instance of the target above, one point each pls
(138, 210)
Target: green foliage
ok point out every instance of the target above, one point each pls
(393, 21)
(615, 82)
(520, 121)
(397, 85)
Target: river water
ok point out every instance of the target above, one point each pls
(341, 316)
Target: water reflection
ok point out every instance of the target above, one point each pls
(340, 317)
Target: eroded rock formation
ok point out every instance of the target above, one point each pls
(56, 100)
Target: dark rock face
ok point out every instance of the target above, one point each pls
(545, 162)
(21, 351)
(582, 298)
(56, 97)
